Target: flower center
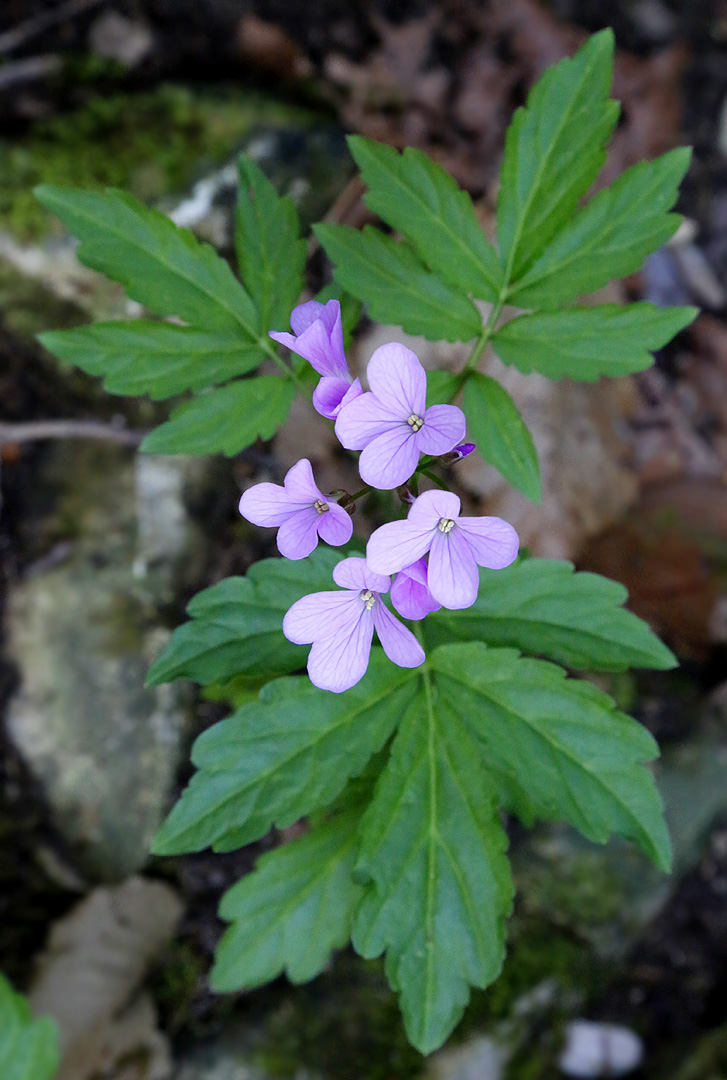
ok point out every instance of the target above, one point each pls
(368, 598)
(415, 422)
(446, 525)
(321, 506)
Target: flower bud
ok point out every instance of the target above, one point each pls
(457, 454)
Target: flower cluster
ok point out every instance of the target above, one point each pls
(434, 552)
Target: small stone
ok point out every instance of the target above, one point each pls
(115, 37)
(594, 1050)
(481, 1058)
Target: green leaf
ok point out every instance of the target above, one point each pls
(28, 1047)
(420, 199)
(559, 747)
(159, 359)
(236, 625)
(501, 436)
(292, 911)
(541, 607)
(270, 253)
(610, 237)
(585, 343)
(433, 846)
(441, 386)
(159, 264)
(225, 420)
(397, 287)
(279, 758)
(554, 149)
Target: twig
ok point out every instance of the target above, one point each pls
(26, 31)
(342, 207)
(35, 67)
(35, 430)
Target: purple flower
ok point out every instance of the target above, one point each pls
(391, 424)
(340, 626)
(317, 337)
(410, 593)
(299, 511)
(456, 547)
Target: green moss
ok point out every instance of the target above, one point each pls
(28, 307)
(150, 144)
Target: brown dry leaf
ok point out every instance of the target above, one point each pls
(269, 48)
(671, 554)
(89, 974)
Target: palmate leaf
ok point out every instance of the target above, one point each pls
(225, 420)
(396, 285)
(554, 149)
(162, 266)
(155, 358)
(610, 237)
(501, 435)
(270, 252)
(281, 757)
(542, 607)
(558, 747)
(235, 626)
(433, 847)
(585, 343)
(28, 1047)
(292, 911)
(420, 199)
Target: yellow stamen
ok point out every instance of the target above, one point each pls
(446, 525)
(321, 507)
(415, 422)
(368, 598)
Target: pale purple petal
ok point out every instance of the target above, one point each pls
(298, 536)
(329, 395)
(444, 426)
(431, 506)
(410, 593)
(284, 338)
(335, 526)
(389, 459)
(267, 504)
(453, 577)
(398, 379)
(362, 419)
(300, 485)
(493, 542)
(304, 315)
(335, 610)
(339, 661)
(314, 346)
(355, 573)
(399, 644)
(396, 545)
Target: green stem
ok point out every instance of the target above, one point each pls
(481, 344)
(285, 368)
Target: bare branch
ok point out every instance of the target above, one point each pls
(26, 31)
(36, 430)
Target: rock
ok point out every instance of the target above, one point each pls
(82, 630)
(593, 1050)
(114, 37)
(89, 973)
(481, 1058)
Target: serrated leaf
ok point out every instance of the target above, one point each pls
(159, 359)
(159, 264)
(433, 846)
(236, 625)
(419, 199)
(554, 149)
(225, 420)
(543, 607)
(28, 1047)
(292, 911)
(610, 237)
(501, 436)
(585, 343)
(270, 252)
(559, 747)
(281, 757)
(396, 285)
